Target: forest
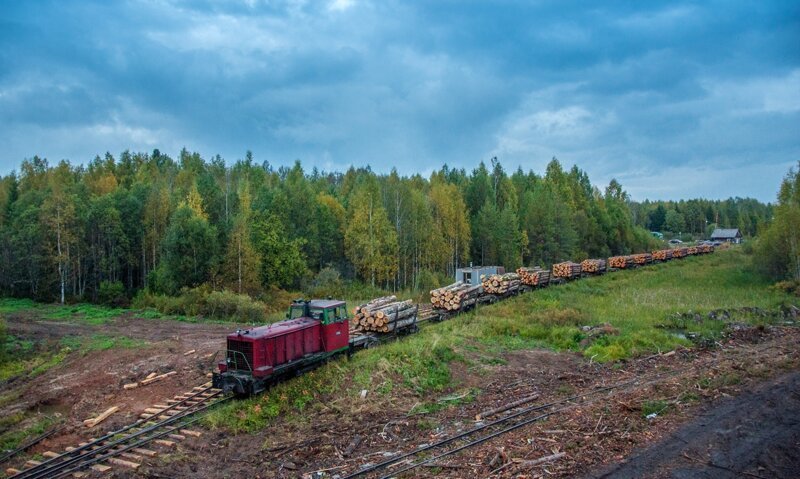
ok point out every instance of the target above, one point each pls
(146, 223)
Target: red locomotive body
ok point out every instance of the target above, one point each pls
(255, 358)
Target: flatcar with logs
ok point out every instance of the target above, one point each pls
(316, 331)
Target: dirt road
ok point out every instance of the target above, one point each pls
(756, 434)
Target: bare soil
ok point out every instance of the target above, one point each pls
(728, 410)
(756, 434)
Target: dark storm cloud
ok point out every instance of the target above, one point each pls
(675, 99)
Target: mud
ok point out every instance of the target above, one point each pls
(756, 434)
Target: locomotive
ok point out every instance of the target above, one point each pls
(314, 332)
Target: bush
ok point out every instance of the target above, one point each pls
(112, 293)
(328, 282)
(232, 306)
(201, 301)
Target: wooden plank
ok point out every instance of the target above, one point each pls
(31, 463)
(164, 442)
(50, 454)
(157, 378)
(130, 386)
(189, 432)
(123, 462)
(100, 467)
(145, 452)
(177, 437)
(191, 351)
(131, 456)
(102, 417)
(12, 472)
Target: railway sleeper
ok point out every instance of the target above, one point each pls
(145, 452)
(124, 463)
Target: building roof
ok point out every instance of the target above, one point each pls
(725, 233)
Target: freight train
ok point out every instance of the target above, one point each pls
(316, 331)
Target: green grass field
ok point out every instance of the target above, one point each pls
(639, 305)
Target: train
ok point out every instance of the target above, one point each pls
(316, 331)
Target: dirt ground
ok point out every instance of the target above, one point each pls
(756, 434)
(728, 411)
(86, 384)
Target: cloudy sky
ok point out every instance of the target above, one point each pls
(674, 99)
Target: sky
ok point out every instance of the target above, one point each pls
(673, 99)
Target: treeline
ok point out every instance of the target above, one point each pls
(106, 230)
(699, 217)
(778, 248)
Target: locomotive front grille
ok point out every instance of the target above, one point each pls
(240, 355)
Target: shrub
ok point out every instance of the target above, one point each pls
(236, 307)
(112, 293)
(328, 282)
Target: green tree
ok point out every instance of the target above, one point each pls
(778, 251)
(281, 258)
(370, 240)
(188, 250)
(242, 263)
(674, 222)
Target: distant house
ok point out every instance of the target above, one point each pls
(732, 235)
(472, 275)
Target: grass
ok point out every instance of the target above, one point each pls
(85, 313)
(11, 439)
(638, 304)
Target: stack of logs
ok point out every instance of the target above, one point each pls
(567, 270)
(500, 283)
(456, 296)
(693, 250)
(680, 252)
(535, 276)
(620, 262)
(593, 266)
(662, 255)
(643, 258)
(384, 314)
(705, 248)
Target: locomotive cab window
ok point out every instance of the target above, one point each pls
(296, 312)
(316, 313)
(341, 313)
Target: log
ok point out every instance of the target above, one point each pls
(566, 270)
(620, 262)
(102, 417)
(662, 255)
(642, 258)
(452, 297)
(379, 316)
(541, 460)
(145, 382)
(535, 276)
(500, 283)
(593, 266)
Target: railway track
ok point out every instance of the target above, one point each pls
(430, 453)
(477, 435)
(161, 425)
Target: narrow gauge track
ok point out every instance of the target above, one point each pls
(529, 415)
(491, 429)
(133, 436)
